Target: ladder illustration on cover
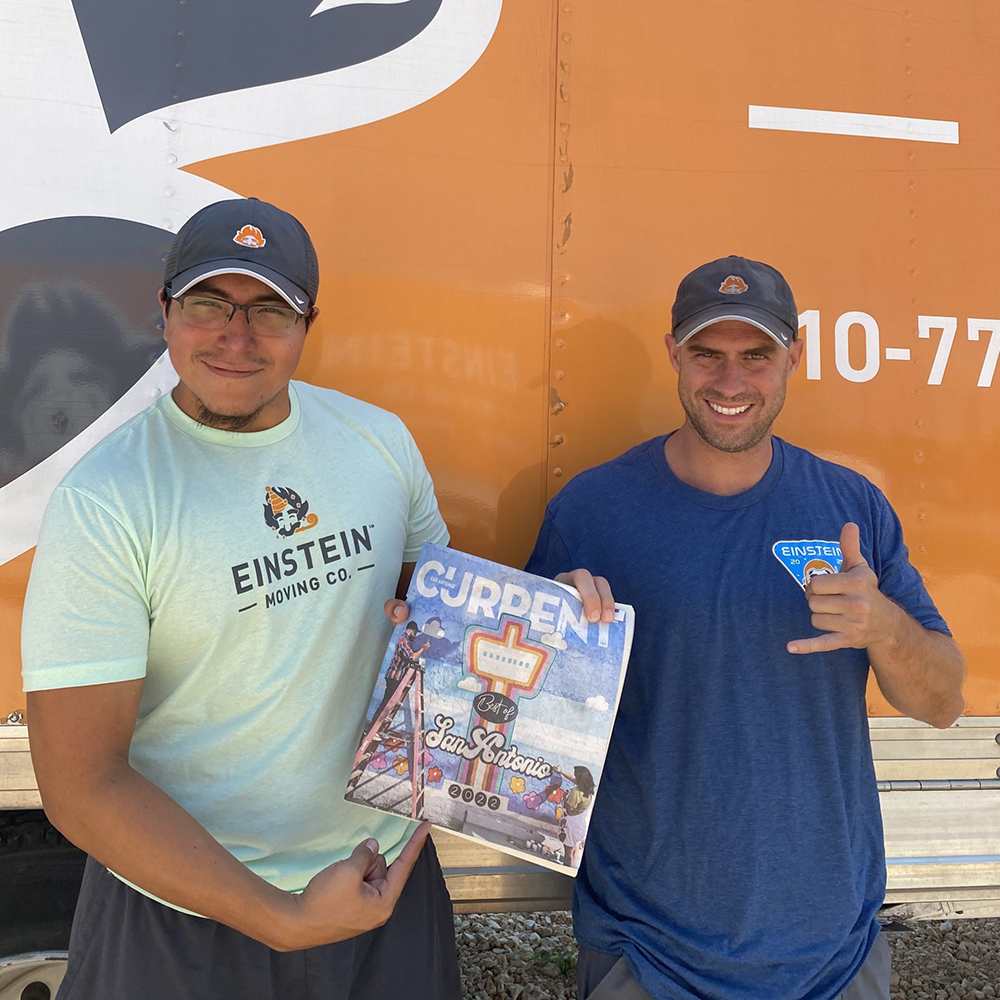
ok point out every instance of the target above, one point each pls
(412, 682)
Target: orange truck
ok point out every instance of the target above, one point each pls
(504, 195)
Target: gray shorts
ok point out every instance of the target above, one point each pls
(128, 947)
(607, 977)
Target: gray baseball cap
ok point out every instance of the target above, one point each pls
(735, 288)
(245, 236)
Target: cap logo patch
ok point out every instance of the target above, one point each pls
(250, 236)
(734, 285)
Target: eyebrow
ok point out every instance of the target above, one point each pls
(207, 288)
(767, 349)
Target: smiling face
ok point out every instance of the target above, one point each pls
(232, 378)
(731, 380)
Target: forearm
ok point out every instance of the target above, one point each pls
(134, 828)
(920, 672)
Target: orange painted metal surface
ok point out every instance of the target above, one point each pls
(430, 229)
(498, 264)
(658, 171)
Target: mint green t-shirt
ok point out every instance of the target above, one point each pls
(243, 576)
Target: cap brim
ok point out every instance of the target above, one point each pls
(288, 290)
(760, 318)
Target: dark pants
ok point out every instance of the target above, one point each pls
(607, 977)
(125, 946)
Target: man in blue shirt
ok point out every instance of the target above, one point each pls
(735, 850)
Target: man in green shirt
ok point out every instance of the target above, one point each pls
(202, 631)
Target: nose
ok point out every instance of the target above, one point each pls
(237, 332)
(731, 378)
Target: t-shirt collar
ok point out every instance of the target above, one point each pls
(232, 439)
(737, 501)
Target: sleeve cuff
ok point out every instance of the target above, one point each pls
(82, 675)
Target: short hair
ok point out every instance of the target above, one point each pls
(583, 779)
(413, 625)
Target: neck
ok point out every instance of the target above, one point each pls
(695, 462)
(268, 414)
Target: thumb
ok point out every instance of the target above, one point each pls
(396, 610)
(850, 547)
(363, 856)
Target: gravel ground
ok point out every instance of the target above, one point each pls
(532, 956)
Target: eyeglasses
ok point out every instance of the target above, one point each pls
(213, 314)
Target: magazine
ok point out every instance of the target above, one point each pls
(493, 709)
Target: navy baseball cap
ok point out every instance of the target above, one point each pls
(735, 288)
(245, 236)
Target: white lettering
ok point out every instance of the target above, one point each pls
(484, 597)
(425, 589)
(458, 599)
(515, 601)
(567, 619)
(542, 620)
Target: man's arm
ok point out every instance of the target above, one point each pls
(105, 807)
(919, 671)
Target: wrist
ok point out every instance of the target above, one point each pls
(273, 919)
(890, 621)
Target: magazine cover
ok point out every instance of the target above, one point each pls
(493, 709)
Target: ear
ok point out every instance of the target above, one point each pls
(311, 317)
(795, 356)
(163, 300)
(674, 351)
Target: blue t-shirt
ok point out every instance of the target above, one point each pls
(735, 850)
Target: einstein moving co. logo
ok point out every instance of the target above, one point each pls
(734, 285)
(286, 512)
(808, 558)
(250, 236)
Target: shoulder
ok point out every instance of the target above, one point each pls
(361, 428)
(630, 472)
(318, 403)
(811, 475)
(119, 459)
(805, 464)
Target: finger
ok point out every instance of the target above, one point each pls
(607, 600)
(850, 547)
(396, 610)
(830, 604)
(829, 623)
(821, 644)
(399, 870)
(583, 581)
(832, 583)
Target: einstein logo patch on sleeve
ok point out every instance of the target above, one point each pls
(809, 557)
